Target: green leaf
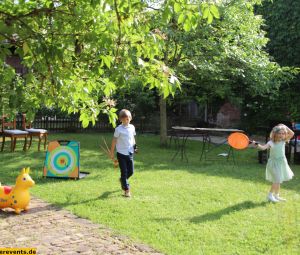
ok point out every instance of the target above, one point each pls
(85, 122)
(187, 25)
(166, 91)
(112, 116)
(167, 15)
(210, 18)
(84, 118)
(206, 13)
(177, 7)
(107, 60)
(214, 10)
(26, 49)
(181, 18)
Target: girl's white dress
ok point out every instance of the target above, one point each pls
(277, 169)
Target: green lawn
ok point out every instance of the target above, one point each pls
(210, 207)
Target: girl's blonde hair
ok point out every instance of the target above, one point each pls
(275, 131)
(125, 113)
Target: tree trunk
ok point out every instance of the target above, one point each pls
(163, 121)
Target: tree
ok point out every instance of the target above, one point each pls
(78, 53)
(173, 22)
(218, 59)
(231, 61)
(282, 26)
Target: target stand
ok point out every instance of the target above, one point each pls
(62, 160)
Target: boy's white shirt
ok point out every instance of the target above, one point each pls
(125, 139)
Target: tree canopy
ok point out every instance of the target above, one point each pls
(228, 58)
(282, 23)
(78, 54)
(225, 59)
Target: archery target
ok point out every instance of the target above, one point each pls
(62, 159)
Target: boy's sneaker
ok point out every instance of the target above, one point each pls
(280, 198)
(271, 198)
(127, 193)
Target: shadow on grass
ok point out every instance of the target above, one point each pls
(226, 211)
(69, 202)
(106, 194)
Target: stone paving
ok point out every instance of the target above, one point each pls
(56, 231)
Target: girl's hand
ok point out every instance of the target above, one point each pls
(255, 144)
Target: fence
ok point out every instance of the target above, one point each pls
(71, 125)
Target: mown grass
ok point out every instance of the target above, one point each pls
(199, 207)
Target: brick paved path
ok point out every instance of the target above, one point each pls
(56, 231)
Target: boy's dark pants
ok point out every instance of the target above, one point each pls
(126, 167)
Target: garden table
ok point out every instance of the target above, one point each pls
(183, 133)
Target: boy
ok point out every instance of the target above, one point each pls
(124, 142)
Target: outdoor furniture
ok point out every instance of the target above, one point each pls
(180, 136)
(8, 129)
(183, 133)
(172, 137)
(35, 132)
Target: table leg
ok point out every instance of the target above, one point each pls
(181, 147)
(176, 146)
(206, 148)
(231, 152)
(183, 152)
(205, 145)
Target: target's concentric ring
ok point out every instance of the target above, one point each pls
(62, 161)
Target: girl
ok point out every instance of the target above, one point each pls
(124, 142)
(277, 169)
